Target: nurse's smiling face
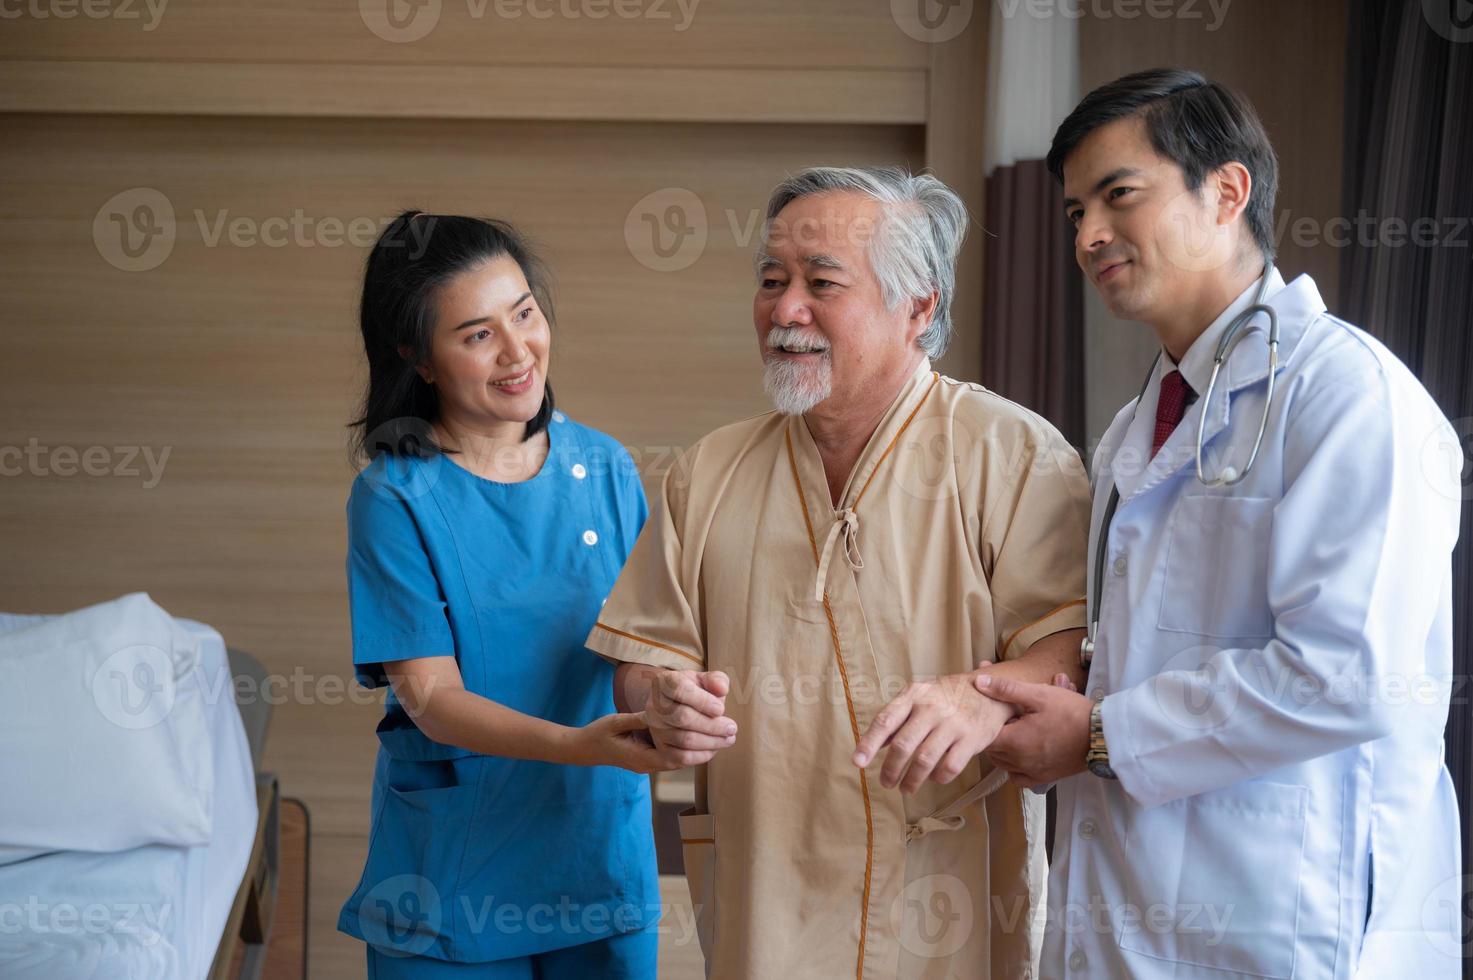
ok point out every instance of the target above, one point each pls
(1150, 245)
(489, 350)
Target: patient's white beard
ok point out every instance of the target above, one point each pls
(796, 388)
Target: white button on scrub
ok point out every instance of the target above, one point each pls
(579, 471)
(590, 538)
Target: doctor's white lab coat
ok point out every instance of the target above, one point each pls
(1274, 663)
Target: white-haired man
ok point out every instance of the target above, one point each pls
(887, 532)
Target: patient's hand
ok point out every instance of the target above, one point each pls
(933, 728)
(686, 714)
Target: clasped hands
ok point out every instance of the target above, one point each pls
(685, 716)
(1036, 733)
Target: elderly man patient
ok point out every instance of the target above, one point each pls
(873, 544)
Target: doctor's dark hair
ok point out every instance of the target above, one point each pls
(416, 256)
(1198, 124)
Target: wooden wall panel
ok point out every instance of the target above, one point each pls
(529, 33)
(825, 95)
(679, 60)
(954, 152)
(242, 362)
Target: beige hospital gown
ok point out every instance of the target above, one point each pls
(960, 539)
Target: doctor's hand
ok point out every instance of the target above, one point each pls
(686, 715)
(933, 729)
(1050, 739)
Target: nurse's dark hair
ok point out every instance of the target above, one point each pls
(1198, 124)
(416, 256)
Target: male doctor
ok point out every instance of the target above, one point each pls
(1252, 783)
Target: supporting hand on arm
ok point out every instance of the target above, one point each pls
(1050, 739)
(684, 710)
(935, 728)
(433, 693)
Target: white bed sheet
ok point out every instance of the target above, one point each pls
(154, 912)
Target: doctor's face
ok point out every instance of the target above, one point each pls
(823, 329)
(1147, 243)
(489, 351)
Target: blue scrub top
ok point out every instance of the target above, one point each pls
(471, 857)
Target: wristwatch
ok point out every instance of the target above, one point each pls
(1098, 757)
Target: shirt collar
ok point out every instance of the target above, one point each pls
(921, 375)
(1196, 366)
(895, 419)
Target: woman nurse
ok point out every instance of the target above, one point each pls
(510, 833)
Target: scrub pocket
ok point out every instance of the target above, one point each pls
(422, 770)
(405, 899)
(698, 849)
(1216, 575)
(1215, 881)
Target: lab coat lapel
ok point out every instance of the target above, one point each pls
(1297, 305)
(1131, 455)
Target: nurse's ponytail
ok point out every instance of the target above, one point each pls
(415, 256)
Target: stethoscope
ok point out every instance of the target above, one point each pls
(1229, 476)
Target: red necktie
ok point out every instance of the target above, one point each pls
(1170, 409)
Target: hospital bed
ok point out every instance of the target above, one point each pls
(241, 953)
(160, 911)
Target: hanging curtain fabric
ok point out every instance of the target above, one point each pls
(1033, 310)
(1407, 272)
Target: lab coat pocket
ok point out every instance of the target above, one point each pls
(1215, 580)
(698, 849)
(1216, 881)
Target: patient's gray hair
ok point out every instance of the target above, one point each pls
(914, 251)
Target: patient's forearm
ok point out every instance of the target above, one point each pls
(1057, 653)
(632, 686)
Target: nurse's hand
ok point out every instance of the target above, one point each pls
(1050, 739)
(619, 740)
(933, 728)
(686, 713)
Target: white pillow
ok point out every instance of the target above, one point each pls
(102, 720)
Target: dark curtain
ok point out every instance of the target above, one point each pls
(1033, 300)
(1409, 160)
